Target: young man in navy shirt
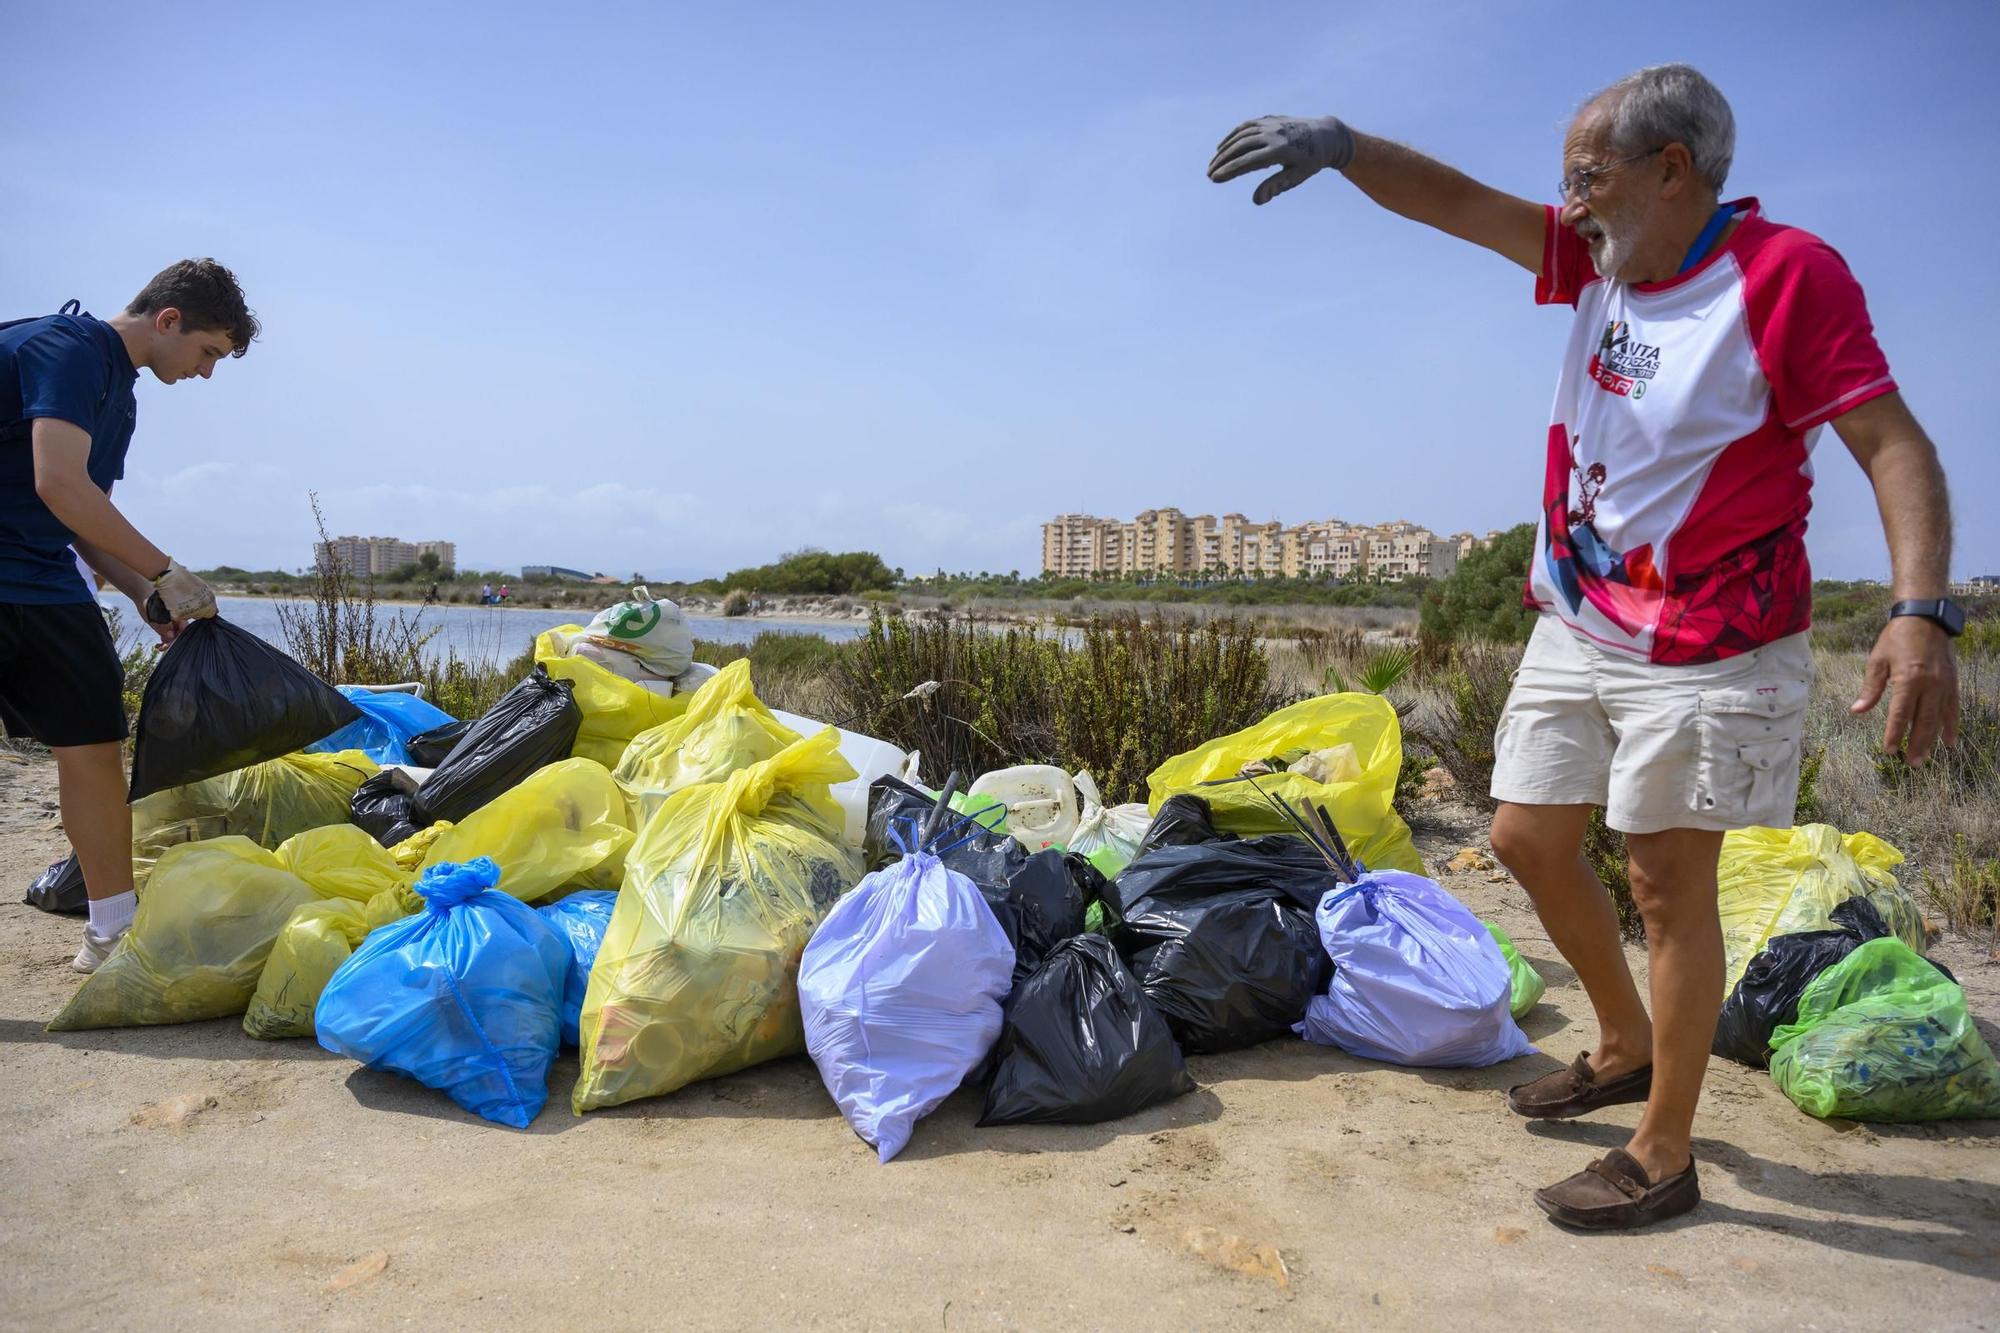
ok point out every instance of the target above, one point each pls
(66, 416)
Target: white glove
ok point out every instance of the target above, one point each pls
(184, 595)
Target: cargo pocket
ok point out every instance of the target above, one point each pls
(1747, 770)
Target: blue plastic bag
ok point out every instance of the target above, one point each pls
(900, 989)
(465, 996)
(387, 722)
(581, 920)
(1417, 980)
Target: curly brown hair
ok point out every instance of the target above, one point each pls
(206, 294)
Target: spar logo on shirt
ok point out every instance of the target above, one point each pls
(1622, 366)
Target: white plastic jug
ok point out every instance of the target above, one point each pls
(871, 759)
(1040, 801)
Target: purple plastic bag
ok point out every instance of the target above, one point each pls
(1417, 980)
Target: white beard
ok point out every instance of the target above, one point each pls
(1612, 242)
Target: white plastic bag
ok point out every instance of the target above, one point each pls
(643, 639)
(1107, 838)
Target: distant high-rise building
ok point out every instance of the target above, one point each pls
(381, 555)
(1169, 542)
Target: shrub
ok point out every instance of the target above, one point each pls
(1123, 697)
(737, 603)
(1457, 728)
(816, 572)
(1482, 597)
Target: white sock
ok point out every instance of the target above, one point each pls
(110, 917)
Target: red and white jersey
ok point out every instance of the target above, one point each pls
(1679, 466)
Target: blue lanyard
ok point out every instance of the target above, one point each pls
(1707, 237)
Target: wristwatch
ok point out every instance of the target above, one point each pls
(1946, 614)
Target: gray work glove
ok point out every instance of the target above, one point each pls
(182, 594)
(1301, 147)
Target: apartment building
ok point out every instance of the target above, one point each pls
(381, 555)
(1170, 542)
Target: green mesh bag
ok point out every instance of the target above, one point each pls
(1884, 1035)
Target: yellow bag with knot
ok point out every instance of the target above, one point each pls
(698, 972)
(567, 824)
(205, 927)
(725, 728)
(614, 709)
(266, 803)
(341, 861)
(1342, 751)
(1776, 881)
(312, 944)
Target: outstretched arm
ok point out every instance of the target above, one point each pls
(1912, 658)
(1400, 179)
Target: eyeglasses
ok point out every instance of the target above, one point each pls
(1581, 181)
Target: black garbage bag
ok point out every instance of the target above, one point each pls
(381, 806)
(533, 725)
(1183, 821)
(427, 749)
(1039, 898)
(60, 889)
(1275, 863)
(1226, 972)
(222, 699)
(1767, 996)
(1081, 1043)
(1222, 939)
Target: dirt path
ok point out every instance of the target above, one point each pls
(189, 1177)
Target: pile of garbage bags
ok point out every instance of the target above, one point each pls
(1829, 987)
(632, 854)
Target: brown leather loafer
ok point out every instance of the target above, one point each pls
(1573, 1091)
(1614, 1194)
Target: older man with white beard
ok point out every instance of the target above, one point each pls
(1667, 676)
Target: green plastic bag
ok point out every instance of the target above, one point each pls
(1884, 1035)
(1525, 985)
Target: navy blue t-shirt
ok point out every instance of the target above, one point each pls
(72, 367)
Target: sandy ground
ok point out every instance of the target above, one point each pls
(192, 1177)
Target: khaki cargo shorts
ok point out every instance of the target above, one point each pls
(1709, 746)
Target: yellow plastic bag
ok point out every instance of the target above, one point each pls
(561, 825)
(614, 709)
(313, 942)
(725, 727)
(1349, 748)
(266, 803)
(698, 972)
(341, 861)
(205, 927)
(409, 854)
(1775, 881)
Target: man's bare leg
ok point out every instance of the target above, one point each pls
(1673, 886)
(1542, 845)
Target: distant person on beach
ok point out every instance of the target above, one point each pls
(503, 592)
(486, 594)
(66, 416)
(1667, 677)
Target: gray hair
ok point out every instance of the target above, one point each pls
(1665, 104)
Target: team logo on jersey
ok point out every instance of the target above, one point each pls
(1621, 365)
(1625, 586)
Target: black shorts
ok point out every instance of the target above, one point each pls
(60, 679)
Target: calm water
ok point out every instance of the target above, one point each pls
(498, 634)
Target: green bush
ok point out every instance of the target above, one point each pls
(1123, 698)
(1482, 597)
(815, 573)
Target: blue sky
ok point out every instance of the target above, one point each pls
(676, 289)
